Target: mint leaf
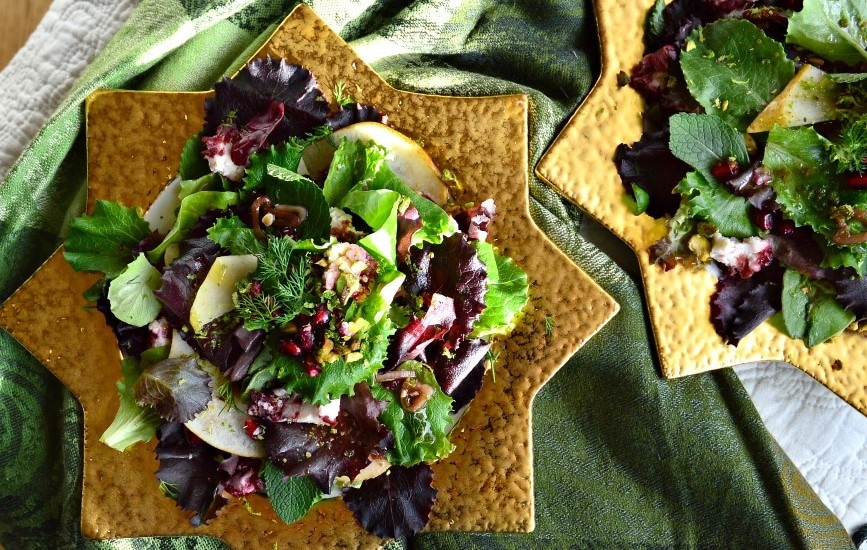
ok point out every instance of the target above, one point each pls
(733, 69)
(286, 155)
(507, 294)
(654, 25)
(131, 294)
(796, 304)
(287, 187)
(808, 188)
(703, 141)
(291, 496)
(420, 436)
(834, 29)
(810, 310)
(712, 202)
(104, 241)
(193, 162)
(192, 208)
(132, 423)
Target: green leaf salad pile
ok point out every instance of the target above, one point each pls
(755, 152)
(291, 333)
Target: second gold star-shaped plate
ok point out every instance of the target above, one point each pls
(580, 164)
(134, 141)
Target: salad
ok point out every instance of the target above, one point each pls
(754, 151)
(304, 312)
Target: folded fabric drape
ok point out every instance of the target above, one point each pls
(623, 458)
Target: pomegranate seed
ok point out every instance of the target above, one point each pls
(256, 287)
(785, 227)
(764, 219)
(291, 348)
(253, 429)
(305, 338)
(857, 181)
(725, 169)
(321, 318)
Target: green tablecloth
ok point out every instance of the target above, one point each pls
(623, 459)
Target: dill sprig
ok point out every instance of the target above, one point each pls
(340, 95)
(282, 289)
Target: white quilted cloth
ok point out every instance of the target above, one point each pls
(825, 437)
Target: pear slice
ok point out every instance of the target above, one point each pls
(214, 297)
(407, 160)
(221, 424)
(807, 98)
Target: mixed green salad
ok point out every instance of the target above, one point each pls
(755, 152)
(303, 312)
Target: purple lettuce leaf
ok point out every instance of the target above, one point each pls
(176, 388)
(451, 268)
(250, 93)
(739, 305)
(131, 340)
(474, 221)
(355, 112)
(852, 295)
(410, 341)
(323, 452)
(659, 79)
(226, 343)
(190, 471)
(453, 369)
(650, 164)
(182, 279)
(394, 505)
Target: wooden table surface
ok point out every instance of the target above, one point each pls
(18, 18)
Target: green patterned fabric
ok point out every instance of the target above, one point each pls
(623, 459)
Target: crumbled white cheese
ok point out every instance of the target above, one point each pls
(742, 257)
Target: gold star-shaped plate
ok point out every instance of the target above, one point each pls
(134, 140)
(580, 165)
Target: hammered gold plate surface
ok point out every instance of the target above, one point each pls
(580, 165)
(134, 141)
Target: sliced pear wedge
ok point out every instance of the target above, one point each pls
(807, 98)
(214, 297)
(407, 160)
(220, 424)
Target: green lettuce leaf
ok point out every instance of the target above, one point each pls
(338, 377)
(507, 294)
(131, 294)
(710, 201)
(133, 423)
(104, 241)
(379, 209)
(290, 496)
(347, 167)
(834, 29)
(703, 141)
(204, 183)
(421, 436)
(436, 223)
(808, 188)
(810, 311)
(192, 208)
(733, 69)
